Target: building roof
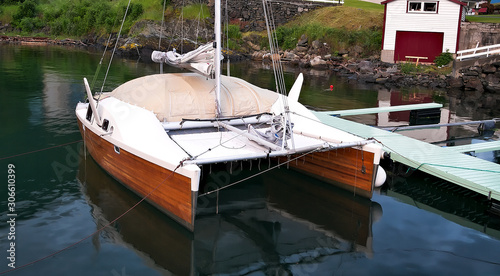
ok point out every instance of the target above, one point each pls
(454, 1)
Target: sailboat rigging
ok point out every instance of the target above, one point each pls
(163, 124)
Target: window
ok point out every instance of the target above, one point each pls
(422, 6)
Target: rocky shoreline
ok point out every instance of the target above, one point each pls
(474, 84)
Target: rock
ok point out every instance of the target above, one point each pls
(357, 50)
(319, 63)
(290, 56)
(258, 56)
(493, 87)
(301, 49)
(352, 67)
(366, 67)
(317, 44)
(393, 69)
(489, 69)
(253, 46)
(471, 73)
(302, 41)
(474, 84)
(370, 78)
(490, 102)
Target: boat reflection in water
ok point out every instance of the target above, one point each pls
(272, 223)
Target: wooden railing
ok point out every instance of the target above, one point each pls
(479, 52)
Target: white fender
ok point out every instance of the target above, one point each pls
(381, 177)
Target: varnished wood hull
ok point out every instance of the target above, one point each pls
(168, 191)
(350, 168)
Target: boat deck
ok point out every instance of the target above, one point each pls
(467, 171)
(211, 146)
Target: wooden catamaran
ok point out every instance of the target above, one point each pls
(155, 133)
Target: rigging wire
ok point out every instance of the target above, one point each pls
(100, 63)
(277, 68)
(259, 173)
(228, 64)
(116, 44)
(162, 24)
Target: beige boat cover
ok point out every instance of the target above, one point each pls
(173, 97)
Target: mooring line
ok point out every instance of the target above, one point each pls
(35, 151)
(95, 232)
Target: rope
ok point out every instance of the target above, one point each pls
(259, 173)
(39, 150)
(95, 232)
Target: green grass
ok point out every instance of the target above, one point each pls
(349, 18)
(364, 5)
(195, 11)
(6, 13)
(490, 18)
(337, 38)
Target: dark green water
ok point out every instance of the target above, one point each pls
(280, 223)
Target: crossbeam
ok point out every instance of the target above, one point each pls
(373, 110)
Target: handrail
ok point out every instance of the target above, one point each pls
(485, 51)
(327, 1)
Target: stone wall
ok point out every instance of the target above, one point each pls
(472, 32)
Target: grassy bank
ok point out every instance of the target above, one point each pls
(341, 27)
(490, 18)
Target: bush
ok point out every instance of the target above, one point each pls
(134, 11)
(29, 24)
(233, 31)
(409, 68)
(444, 58)
(28, 9)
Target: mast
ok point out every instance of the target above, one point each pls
(217, 57)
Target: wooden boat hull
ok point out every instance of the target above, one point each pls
(168, 191)
(350, 168)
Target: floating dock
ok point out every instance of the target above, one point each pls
(450, 164)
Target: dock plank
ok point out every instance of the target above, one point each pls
(479, 147)
(467, 171)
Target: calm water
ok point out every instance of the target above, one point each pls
(280, 223)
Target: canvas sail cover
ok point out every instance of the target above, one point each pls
(199, 60)
(174, 97)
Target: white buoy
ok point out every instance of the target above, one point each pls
(381, 177)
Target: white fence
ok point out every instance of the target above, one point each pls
(479, 52)
(327, 1)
